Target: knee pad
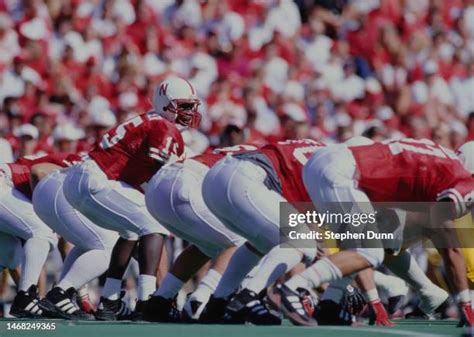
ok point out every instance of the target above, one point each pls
(375, 256)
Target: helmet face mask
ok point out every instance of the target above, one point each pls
(185, 111)
(175, 99)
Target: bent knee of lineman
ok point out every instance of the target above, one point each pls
(374, 256)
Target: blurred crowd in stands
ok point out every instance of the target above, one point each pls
(268, 69)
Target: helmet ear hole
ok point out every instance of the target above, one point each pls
(165, 108)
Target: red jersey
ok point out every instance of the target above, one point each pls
(411, 170)
(212, 157)
(288, 158)
(133, 151)
(20, 169)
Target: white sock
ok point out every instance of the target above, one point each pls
(112, 288)
(146, 286)
(276, 263)
(207, 286)
(83, 292)
(35, 254)
(372, 295)
(391, 285)
(321, 272)
(240, 265)
(202, 293)
(169, 287)
(85, 268)
(463, 296)
(406, 267)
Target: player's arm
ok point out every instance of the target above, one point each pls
(39, 171)
(165, 144)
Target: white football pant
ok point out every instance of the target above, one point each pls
(111, 204)
(90, 256)
(174, 198)
(330, 179)
(235, 191)
(52, 207)
(17, 216)
(18, 219)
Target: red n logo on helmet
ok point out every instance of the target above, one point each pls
(163, 88)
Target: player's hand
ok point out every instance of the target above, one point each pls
(467, 315)
(380, 314)
(353, 301)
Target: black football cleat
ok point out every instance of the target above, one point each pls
(60, 303)
(25, 304)
(395, 304)
(213, 313)
(160, 309)
(291, 304)
(113, 310)
(138, 313)
(246, 306)
(192, 311)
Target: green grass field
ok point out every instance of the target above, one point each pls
(412, 328)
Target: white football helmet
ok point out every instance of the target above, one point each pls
(466, 155)
(358, 141)
(175, 99)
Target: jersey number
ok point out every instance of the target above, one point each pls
(302, 154)
(425, 147)
(108, 140)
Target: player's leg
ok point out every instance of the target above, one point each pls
(88, 259)
(221, 203)
(394, 288)
(248, 207)
(20, 220)
(118, 206)
(197, 301)
(162, 304)
(405, 266)
(328, 177)
(174, 198)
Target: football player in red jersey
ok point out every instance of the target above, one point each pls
(251, 187)
(107, 187)
(406, 171)
(173, 196)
